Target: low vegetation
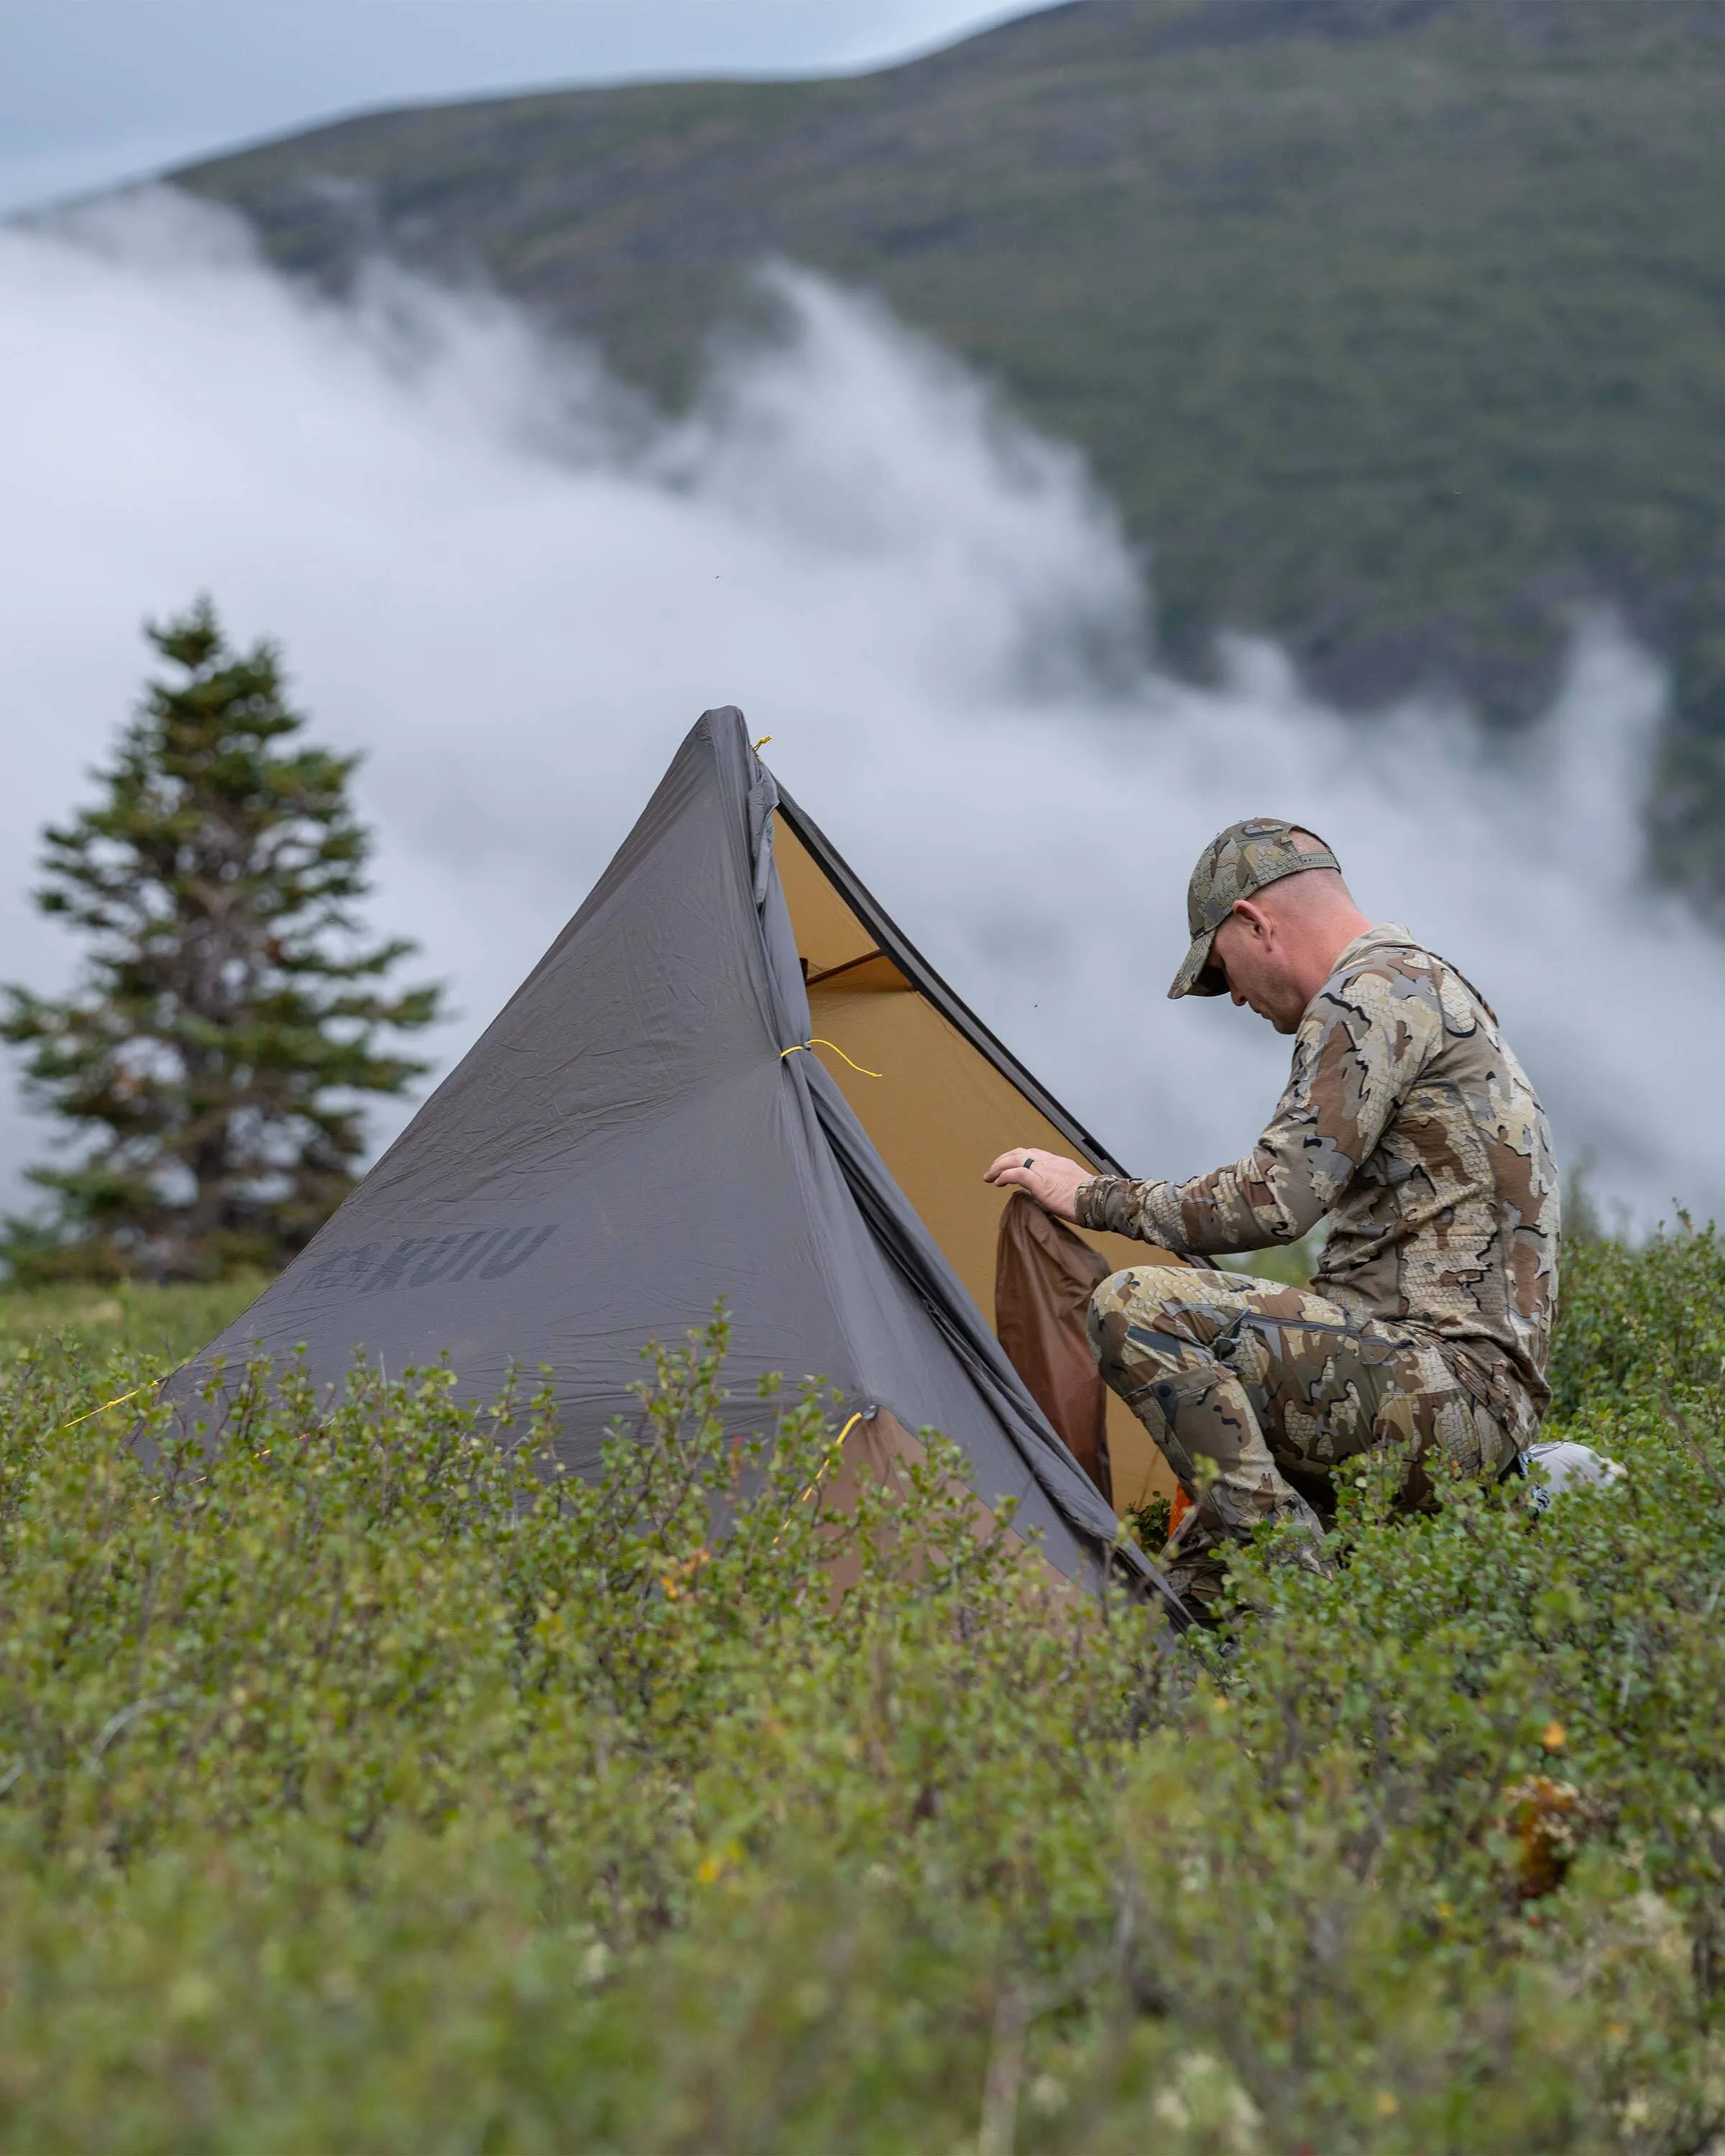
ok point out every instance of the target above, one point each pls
(368, 1786)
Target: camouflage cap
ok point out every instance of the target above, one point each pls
(1237, 862)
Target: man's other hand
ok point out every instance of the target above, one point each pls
(1052, 1181)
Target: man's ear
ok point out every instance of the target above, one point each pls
(1256, 919)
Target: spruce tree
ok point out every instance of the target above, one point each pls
(232, 1015)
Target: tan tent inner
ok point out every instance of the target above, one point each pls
(939, 1111)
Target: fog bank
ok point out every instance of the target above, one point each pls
(515, 587)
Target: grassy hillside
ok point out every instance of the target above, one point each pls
(1394, 326)
(356, 1792)
(85, 1325)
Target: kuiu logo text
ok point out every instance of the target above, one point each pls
(421, 1260)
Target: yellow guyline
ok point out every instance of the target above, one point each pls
(831, 1454)
(815, 1040)
(105, 1407)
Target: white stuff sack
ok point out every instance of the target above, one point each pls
(1564, 1464)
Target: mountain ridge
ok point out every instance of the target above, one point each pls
(1395, 328)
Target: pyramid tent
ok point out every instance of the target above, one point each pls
(644, 1130)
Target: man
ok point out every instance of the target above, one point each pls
(1408, 1120)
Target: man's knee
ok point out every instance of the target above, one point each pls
(1141, 1299)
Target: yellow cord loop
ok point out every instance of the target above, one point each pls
(832, 1454)
(815, 1040)
(762, 743)
(105, 1407)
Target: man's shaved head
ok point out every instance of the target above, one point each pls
(1312, 891)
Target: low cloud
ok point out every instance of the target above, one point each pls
(515, 587)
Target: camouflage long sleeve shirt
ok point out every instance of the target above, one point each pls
(1408, 1120)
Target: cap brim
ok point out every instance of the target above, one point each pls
(1197, 976)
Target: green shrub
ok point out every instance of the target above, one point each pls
(1640, 1323)
(367, 1785)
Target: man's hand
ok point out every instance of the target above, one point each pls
(1052, 1181)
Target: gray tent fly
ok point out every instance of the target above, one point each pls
(640, 1134)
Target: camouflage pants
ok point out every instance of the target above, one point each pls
(1275, 1388)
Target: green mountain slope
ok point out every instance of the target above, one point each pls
(1396, 327)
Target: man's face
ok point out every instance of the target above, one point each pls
(1254, 959)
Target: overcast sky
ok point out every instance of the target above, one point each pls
(95, 90)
